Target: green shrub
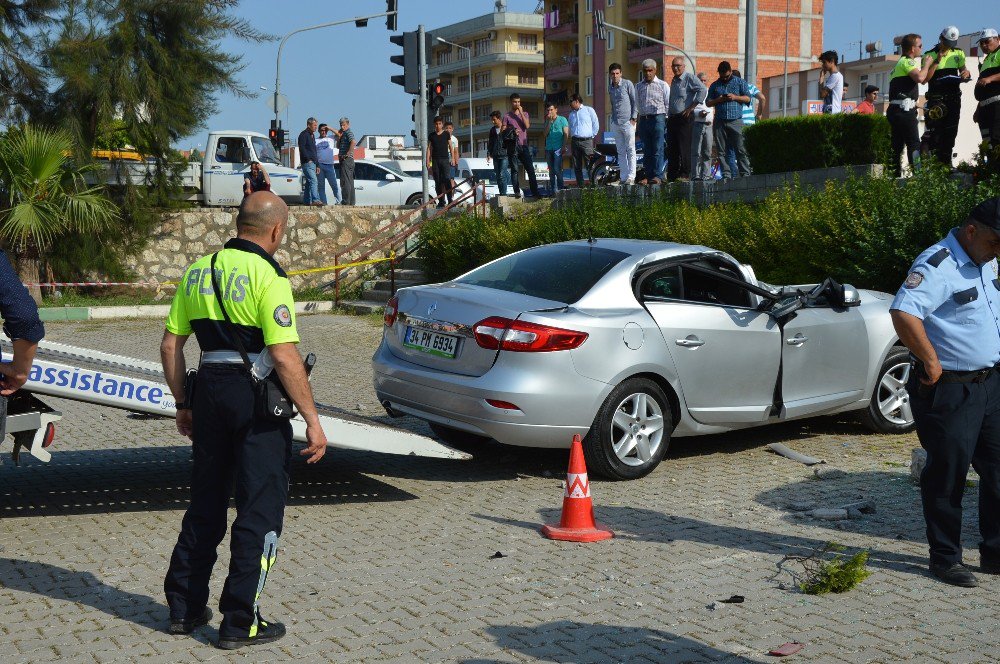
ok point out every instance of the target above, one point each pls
(865, 231)
(817, 141)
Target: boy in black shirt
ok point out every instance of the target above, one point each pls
(439, 159)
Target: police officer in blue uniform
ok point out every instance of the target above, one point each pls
(21, 324)
(947, 313)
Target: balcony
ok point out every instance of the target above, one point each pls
(562, 69)
(640, 9)
(641, 49)
(566, 31)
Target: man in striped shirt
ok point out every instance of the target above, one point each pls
(653, 99)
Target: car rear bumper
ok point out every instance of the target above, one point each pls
(555, 402)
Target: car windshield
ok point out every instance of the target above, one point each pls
(559, 272)
(264, 149)
(484, 175)
(394, 167)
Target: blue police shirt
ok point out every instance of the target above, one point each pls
(959, 303)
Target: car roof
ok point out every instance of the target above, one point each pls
(646, 251)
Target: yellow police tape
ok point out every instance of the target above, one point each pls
(314, 270)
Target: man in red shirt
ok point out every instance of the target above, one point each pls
(867, 105)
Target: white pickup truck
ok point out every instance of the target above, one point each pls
(218, 179)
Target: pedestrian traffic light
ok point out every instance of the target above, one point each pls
(410, 78)
(436, 97)
(390, 14)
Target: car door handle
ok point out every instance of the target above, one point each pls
(797, 340)
(690, 343)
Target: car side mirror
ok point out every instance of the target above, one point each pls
(848, 296)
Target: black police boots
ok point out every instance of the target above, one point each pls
(267, 632)
(956, 574)
(187, 626)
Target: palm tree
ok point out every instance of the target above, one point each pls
(43, 195)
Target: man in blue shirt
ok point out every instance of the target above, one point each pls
(21, 323)
(310, 163)
(948, 314)
(583, 127)
(727, 95)
(686, 92)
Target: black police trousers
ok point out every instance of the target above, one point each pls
(232, 450)
(942, 121)
(958, 424)
(904, 133)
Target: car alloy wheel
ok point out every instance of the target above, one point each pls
(631, 432)
(889, 410)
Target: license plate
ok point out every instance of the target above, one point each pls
(433, 343)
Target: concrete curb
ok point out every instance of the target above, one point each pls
(146, 311)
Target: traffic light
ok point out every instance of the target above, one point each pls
(391, 13)
(282, 137)
(435, 97)
(274, 134)
(410, 78)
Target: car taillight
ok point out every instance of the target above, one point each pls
(391, 309)
(501, 333)
(50, 434)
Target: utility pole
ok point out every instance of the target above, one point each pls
(422, 110)
(784, 84)
(750, 68)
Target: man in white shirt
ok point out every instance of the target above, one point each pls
(624, 113)
(831, 82)
(701, 138)
(326, 147)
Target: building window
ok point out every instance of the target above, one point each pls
(463, 116)
(480, 147)
(527, 42)
(590, 44)
(527, 76)
(611, 40)
(444, 57)
(484, 46)
(531, 108)
(483, 113)
(590, 5)
(590, 86)
(483, 80)
(611, 3)
(463, 84)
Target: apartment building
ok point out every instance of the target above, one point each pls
(708, 30)
(507, 57)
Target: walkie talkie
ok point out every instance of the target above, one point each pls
(309, 363)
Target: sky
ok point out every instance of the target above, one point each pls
(344, 70)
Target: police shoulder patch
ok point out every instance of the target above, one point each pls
(913, 280)
(282, 316)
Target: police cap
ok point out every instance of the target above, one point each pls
(988, 213)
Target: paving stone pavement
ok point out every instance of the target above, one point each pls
(389, 559)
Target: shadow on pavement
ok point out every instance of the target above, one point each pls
(571, 641)
(651, 526)
(61, 584)
(159, 478)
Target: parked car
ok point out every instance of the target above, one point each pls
(381, 184)
(629, 343)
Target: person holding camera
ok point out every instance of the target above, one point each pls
(727, 96)
(238, 303)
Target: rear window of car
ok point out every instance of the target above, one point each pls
(563, 273)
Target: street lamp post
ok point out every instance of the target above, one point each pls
(360, 21)
(472, 121)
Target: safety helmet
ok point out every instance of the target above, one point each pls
(950, 36)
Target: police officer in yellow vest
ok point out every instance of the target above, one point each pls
(234, 447)
(944, 98)
(902, 111)
(988, 88)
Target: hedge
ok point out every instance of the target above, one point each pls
(817, 141)
(865, 231)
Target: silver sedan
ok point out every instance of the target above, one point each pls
(629, 343)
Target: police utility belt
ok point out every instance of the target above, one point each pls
(987, 102)
(948, 376)
(906, 104)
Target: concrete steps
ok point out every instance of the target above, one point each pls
(376, 292)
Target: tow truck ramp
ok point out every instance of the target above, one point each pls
(96, 384)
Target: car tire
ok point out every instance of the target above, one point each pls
(617, 453)
(889, 410)
(414, 200)
(461, 440)
(603, 174)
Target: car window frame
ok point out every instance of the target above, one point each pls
(687, 262)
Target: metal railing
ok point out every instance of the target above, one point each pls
(393, 237)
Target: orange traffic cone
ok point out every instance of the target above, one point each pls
(577, 523)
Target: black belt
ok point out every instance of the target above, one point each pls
(977, 376)
(652, 115)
